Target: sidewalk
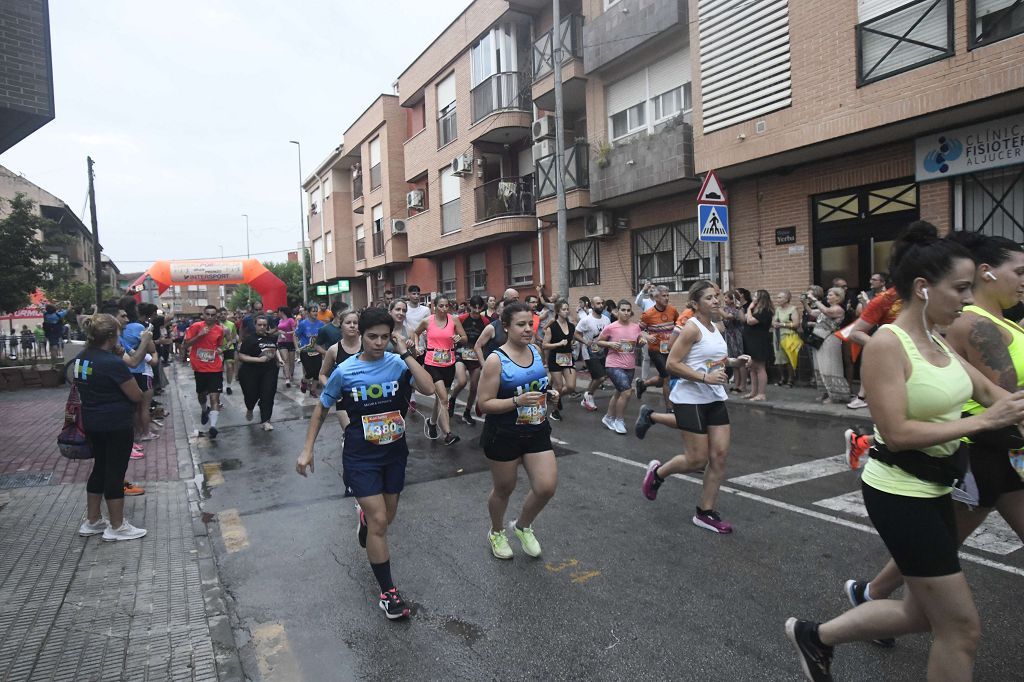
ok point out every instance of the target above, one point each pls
(75, 608)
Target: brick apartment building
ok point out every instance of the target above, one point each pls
(26, 70)
(818, 117)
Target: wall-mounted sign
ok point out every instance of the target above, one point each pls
(785, 235)
(321, 289)
(970, 149)
(334, 288)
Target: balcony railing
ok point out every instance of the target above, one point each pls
(577, 170)
(374, 177)
(451, 220)
(361, 249)
(572, 46)
(911, 35)
(357, 186)
(505, 197)
(378, 243)
(505, 90)
(447, 128)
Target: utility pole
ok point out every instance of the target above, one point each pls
(302, 230)
(561, 237)
(95, 236)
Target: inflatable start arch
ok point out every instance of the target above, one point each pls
(167, 273)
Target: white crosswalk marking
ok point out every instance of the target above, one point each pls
(797, 473)
(994, 535)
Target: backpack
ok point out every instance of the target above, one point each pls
(71, 440)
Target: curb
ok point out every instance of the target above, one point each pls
(858, 416)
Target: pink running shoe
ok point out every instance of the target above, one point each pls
(137, 452)
(651, 484)
(711, 520)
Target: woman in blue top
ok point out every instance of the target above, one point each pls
(513, 393)
(374, 452)
(309, 356)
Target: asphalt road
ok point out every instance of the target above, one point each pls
(625, 589)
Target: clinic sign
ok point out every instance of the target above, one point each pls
(970, 149)
(206, 271)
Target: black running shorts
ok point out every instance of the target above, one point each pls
(919, 532)
(994, 475)
(509, 443)
(446, 375)
(697, 418)
(659, 362)
(209, 382)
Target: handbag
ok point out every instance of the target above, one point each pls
(812, 339)
(71, 440)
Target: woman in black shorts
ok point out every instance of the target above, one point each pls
(513, 394)
(350, 344)
(558, 338)
(467, 369)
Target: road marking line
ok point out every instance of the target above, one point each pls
(994, 535)
(274, 653)
(796, 473)
(811, 513)
(231, 529)
(211, 471)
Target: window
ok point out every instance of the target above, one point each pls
(374, 163)
(894, 36)
(377, 215)
(993, 202)
(993, 20)
(360, 243)
(193, 287)
(649, 96)
(446, 285)
(668, 104)
(476, 274)
(629, 121)
(202, 302)
(330, 242)
(671, 255)
(520, 264)
(318, 250)
(584, 263)
(447, 125)
(450, 188)
(325, 186)
(399, 282)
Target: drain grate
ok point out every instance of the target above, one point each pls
(25, 479)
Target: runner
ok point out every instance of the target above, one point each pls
(916, 388)
(416, 313)
(699, 358)
(286, 343)
(620, 338)
(349, 345)
(202, 343)
(658, 322)
(309, 357)
(443, 332)
(467, 367)
(181, 326)
(248, 325)
(494, 334)
(375, 450)
(587, 331)
(491, 311)
(513, 394)
(258, 374)
(227, 347)
(558, 338)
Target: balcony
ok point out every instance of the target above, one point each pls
(504, 197)
(357, 193)
(914, 34)
(502, 91)
(572, 46)
(644, 166)
(361, 248)
(574, 80)
(627, 25)
(576, 178)
(378, 243)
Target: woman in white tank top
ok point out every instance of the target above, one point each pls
(697, 360)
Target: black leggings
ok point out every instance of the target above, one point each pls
(259, 386)
(111, 452)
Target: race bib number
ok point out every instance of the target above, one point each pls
(663, 346)
(628, 346)
(1017, 462)
(712, 365)
(533, 414)
(563, 359)
(468, 354)
(594, 348)
(206, 354)
(442, 357)
(384, 428)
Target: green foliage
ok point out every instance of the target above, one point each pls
(241, 297)
(22, 254)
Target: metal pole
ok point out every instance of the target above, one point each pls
(302, 230)
(561, 237)
(246, 235)
(95, 235)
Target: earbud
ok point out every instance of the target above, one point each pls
(990, 276)
(924, 292)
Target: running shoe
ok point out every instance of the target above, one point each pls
(651, 483)
(248, 415)
(87, 529)
(711, 520)
(467, 419)
(451, 406)
(213, 432)
(287, 384)
(149, 436)
(126, 532)
(639, 387)
(267, 426)
(302, 386)
(527, 539)
(228, 390)
(856, 447)
(136, 452)
(157, 423)
(361, 528)
(815, 660)
(556, 415)
(499, 544)
(620, 427)
(857, 403)
(204, 418)
(131, 490)
(609, 422)
(451, 439)
(392, 605)
(643, 422)
(855, 593)
(588, 402)
(429, 429)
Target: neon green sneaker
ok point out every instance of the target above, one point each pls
(527, 539)
(499, 544)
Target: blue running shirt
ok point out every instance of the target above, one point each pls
(517, 380)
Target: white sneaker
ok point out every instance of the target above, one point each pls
(588, 402)
(87, 529)
(126, 532)
(620, 426)
(608, 422)
(267, 426)
(856, 403)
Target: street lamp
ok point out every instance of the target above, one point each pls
(247, 256)
(302, 229)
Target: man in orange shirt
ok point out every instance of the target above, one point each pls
(658, 322)
(202, 343)
(325, 315)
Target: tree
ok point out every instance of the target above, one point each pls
(290, 273)
(242, 296)
(22, 255)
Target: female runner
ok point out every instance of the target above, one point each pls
(620, 338)
(916, 387)
(350, 344)
(375, 451)
(286, 343)
(467, 370)
(443, 332)
(558, 338)
(513, 394)
(698, 357)
(258, 373)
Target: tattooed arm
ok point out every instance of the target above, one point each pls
(985, 346)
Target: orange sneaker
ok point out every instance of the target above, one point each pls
(856, 447)
(130, 489)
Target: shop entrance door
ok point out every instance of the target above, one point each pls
(853, 230)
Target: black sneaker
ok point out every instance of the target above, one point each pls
(204, 418)
(451, 439)
(361, 527)
(815, 660)
(392, 605)
(467, 419)
(429, 429)
(639, 387)
(555, 415)
(451, 406)
(855, 593)
(213, 432)
(228, 390)
(643, 422)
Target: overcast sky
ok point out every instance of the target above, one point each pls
(187, 109)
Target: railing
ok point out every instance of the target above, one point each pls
(357, 186)
(504, 197)
(361, 249)
(378, 243)
(572, 46)
(505, 90)
(909, 36)
(447, 128)
(451, 220)
(18, 346)
(577, 170)
(374, 177)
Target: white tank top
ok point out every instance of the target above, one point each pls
(708, 353)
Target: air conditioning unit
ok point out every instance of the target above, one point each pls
(462, 165)
(398, 226)
(544, 127)
(542, 148)
(600, 224)
(414, 199)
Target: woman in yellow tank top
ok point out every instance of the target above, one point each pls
(916, 388)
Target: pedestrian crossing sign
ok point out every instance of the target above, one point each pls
(714, 223)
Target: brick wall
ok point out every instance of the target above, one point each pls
(26, 78)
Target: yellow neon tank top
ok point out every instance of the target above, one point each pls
(1016, 350)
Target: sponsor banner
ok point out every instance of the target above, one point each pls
(970, 149)
(206, 271)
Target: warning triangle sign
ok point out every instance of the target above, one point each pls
(712, 192)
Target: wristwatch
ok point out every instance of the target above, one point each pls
(406, 354)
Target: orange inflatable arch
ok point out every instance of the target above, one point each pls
(167, 273)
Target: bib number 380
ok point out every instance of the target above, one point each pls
(384, 428)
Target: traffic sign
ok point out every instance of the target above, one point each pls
(712, 192)
(714, 223)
